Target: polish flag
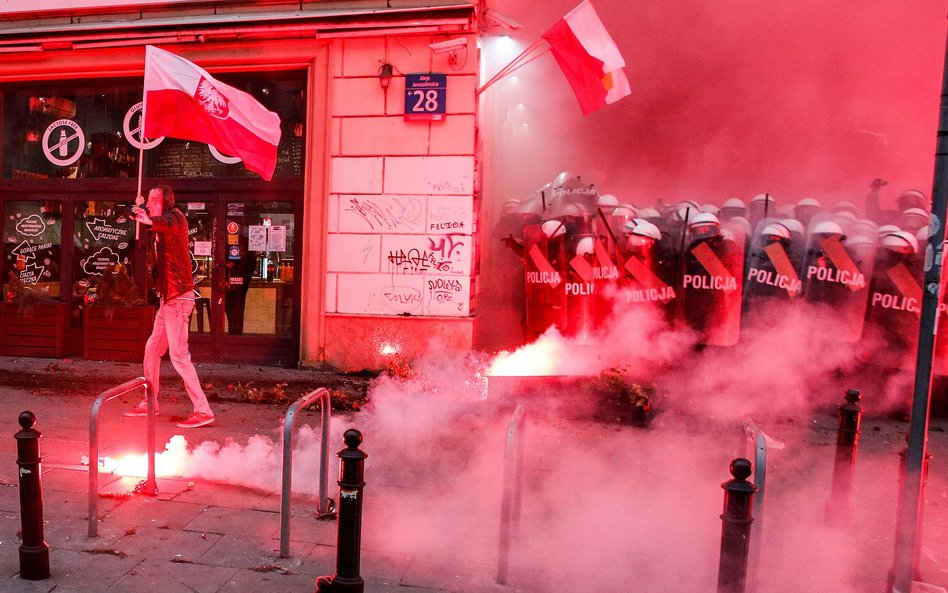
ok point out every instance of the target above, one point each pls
(589, 58)
(183, 101)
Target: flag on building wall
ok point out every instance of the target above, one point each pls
(183, 101)
(588, 57)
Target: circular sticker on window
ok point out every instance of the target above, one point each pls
(227, 160)
(63, 142)
(133, 117)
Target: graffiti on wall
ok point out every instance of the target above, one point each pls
(386, 214)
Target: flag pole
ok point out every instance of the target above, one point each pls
(141, 160)
(912, 496)
(141, 141)
(514, 64)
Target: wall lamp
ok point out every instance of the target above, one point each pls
(385, 76)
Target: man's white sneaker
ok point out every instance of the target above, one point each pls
(139, 410)
(195, 420)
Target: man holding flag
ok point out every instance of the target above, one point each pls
(175, 287)
(183, 101)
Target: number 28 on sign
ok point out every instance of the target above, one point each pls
(425, 95)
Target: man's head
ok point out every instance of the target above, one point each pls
(160, 198)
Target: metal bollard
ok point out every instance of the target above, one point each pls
(844, 467)
(351, 482)
(735, 528)
(34, 552)
(916, 571)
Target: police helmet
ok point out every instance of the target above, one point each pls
(510, 206)
(710, 208)
(793, 225)
(912, 198)
(900, 242)
(920, 213)
(585, 246)
(775, 231)
(844, 206)
(845, 217)
(859, 241)
(643, 228)
(649, 213)
(863, 226)
(809, 203)
(686, 209)
(704, 225)
(888, 228)
(553, 228)
(606, 201)
(733, 204)
(827, 227)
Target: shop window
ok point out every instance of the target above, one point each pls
(32, 239)
(91, 129)
(103, 244)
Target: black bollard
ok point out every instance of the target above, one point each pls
(34, 552)
(735, 528)
(844, 467)
(351, 482)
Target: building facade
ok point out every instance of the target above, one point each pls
(362, 247)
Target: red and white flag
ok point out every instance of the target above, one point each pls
(589, 58)
(183, 101)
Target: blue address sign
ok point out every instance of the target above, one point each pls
(425, 95)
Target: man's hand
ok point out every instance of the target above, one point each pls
(878, 183)
(139, 214)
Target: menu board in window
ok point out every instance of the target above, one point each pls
(177, 158)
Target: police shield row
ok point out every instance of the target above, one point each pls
(717, 270)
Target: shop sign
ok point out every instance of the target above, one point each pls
(425, 95)
(67, 145)
(134, 134)
(100, 261)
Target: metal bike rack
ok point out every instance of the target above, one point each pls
(511, 498)
(756, 448)
(148, 486)
(325, 506)
(755, 444)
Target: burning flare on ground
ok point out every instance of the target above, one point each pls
(543, 357)
(173, 461)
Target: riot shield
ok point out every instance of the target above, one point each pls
(648, 276)
(592, 278)
(544, 265)
(890, 334)
(836, 272)
(711, 286)
(770, 273)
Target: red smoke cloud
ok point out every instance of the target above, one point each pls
(734, 97)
